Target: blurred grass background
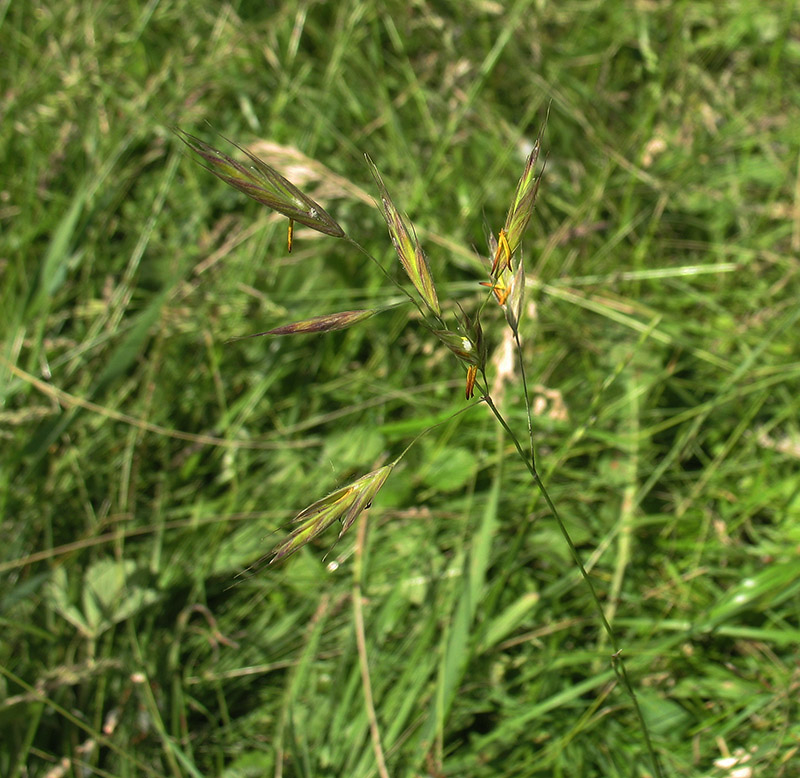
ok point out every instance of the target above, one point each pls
(145, 464)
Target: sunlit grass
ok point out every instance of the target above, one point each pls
(146, 464)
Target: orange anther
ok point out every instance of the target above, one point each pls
(501, 291)
(472, 372)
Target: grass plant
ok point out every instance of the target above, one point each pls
(464, 339)
(146, 462)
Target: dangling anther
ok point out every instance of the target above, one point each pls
(472, 372)
(291, 235)
(501, 291)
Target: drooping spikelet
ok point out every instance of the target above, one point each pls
(343, 505)
(328, 322)
(469, 347)
(264, 185)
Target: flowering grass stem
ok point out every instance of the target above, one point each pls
(457, 331)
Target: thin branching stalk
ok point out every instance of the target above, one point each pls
(413, 300)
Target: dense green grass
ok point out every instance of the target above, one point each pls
(145, 464)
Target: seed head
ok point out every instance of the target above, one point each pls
(264, 185)
(326, 323)
(411, 255)
(343, 505)
(464, 348)
(524, 199)
(469, 346)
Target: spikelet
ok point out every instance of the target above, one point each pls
(521, 210)
(343, 505)
(328, 322)
(411, 255)
(264, 185)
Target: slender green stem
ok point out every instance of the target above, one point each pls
(361, 643)
(617, 662)
(433, 427)
(526, 395)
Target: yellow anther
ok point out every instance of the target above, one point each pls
(504, 249)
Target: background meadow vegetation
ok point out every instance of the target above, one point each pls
(145, 464)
